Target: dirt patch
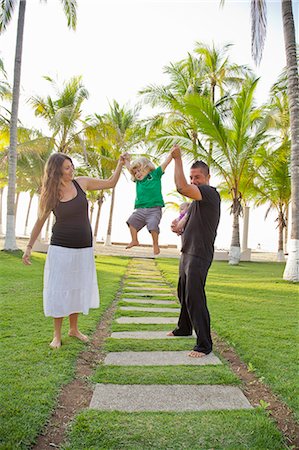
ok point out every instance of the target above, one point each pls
(77, 394)
(255, 390)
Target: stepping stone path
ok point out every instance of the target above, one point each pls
(148, 320)
(140, 308)
(158, 359)
(150, 289)
(145, 335)
(108, 397)
(167, 398)
(148, 301)
(150, 293)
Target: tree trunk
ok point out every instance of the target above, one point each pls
(286, 229)
(1, 201)
(109, 229)
(26, 233)
(280, 254)
(10, 238)
(96, 227)
(291, 272)
(235, 250)
(91, 212)
(245, 229)
(16, 206)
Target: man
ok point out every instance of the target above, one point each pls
(200, 226)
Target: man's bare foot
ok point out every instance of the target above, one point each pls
(170, 333)
(132, 244)
(156, 249)
(79, 336)
(195, 354)
(56, 343)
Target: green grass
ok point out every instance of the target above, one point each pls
(142, 327)
(121, 313)
(165, 375)
(31, 373)
(147, 345)
(188, 430)
(256, 312)
(152, 296)
(149, 305)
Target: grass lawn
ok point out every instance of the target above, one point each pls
(256, 312)
(31, 373)
(160, 430)
(251, 308)
(196, 430)
(165, 375)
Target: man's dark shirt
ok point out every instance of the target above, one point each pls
(202, 222)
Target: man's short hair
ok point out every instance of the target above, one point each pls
(202, 166)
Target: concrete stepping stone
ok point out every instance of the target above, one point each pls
(137, 277)
(150, 294)
(109, 397)
(153, 285)
(159, 359)
(149, 320)
(141, 308)
(148, 301)
(151, 274)
(146, 335)
(150, 289)
(143, 270)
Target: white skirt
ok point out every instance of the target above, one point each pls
(70, 281)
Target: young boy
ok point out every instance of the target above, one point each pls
(149, 200)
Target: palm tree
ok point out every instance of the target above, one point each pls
(235, 139)
(96, 163)
(273, 187)
(210, 74)
(63, 113)
(6, 13)
(33, 154)
(259, 26)
(117, 131)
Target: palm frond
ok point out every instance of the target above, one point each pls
(6, 11)
(70, 10)
(258, 28)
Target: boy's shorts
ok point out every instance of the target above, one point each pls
(150, 217)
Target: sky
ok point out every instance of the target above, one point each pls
(120, 47)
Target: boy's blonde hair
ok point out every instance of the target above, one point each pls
(143, 163)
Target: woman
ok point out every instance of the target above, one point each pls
(70, 282)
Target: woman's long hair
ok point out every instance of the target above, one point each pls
(50, 191)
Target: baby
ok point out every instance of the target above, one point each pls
(183, 208)
(149, 200)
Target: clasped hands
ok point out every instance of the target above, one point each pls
(175, 151)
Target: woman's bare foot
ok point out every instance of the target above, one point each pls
(170, 333)
(77, 334)
(56, 343)
(132, 244)
(156, 249)
(195, 354)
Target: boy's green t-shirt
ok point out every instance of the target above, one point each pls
(149, 190)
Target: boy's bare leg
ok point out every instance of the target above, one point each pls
(155, 237)
(56, 342)
(134, 240)
(74, 330)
